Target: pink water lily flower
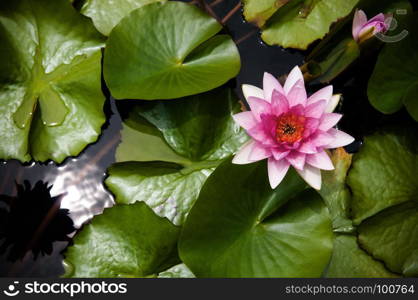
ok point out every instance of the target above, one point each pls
(364, 29)
(290, 129)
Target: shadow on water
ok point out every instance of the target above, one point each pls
(32, 221)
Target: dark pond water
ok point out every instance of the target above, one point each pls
(79, 180)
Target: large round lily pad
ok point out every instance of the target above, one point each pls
(125, 241)
(51, 103)
(168, 150)
(106, 14)
(394, 83)
(295, 23)
(168, 50)
(240, 227)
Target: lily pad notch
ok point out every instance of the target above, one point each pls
(168, 50)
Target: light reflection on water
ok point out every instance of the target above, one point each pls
(84, 195)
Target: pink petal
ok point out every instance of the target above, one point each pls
(339, 139)
(245, 119)
(293, 146)
(259, 134)
(311, 125)
(378, 18)
(279, 103)
(278, 155)
(329, 120)
(259, 152)
(262, 134)
(360, 19)
(296, 159)
(316, 109)
(323, 94)
(332, 104)
(270, 84)
(320, 160)
(321, 139)
(242, 156)
(373, 28)
(258, 106)
(277, 170)
(269, 123)
(368, 28)
(308, 148)
(298, 110)
(297, 94)
(312, 176)
(252, 91)
(294, 76)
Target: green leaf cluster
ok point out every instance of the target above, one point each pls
(51, 102)
(295, 23)
(383, 209)
(182, 208)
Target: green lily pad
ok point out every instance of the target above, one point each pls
(258, 11)
(335, 193)
(296, 23)
(106, 14)
(385, 172)
(179, 271)
(168, 50)
(51, 103)
(349, 260)
(168, 150)
(125, 241)
(169, 191)
(392, 236)
(394, 83)
(240, 227)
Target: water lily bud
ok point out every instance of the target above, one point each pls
(364, 29)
